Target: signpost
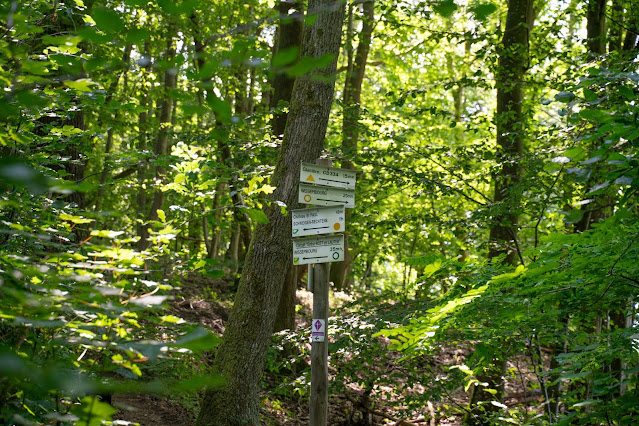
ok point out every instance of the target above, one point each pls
(318, 221)
(327, 176)
(321, 185)
(318, 250)
(326, 196)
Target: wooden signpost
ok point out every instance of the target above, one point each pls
(321, 185)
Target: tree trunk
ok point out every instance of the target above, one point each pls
(143, 118)
(513, 60)
(290, 33)
(126, 57)
(615, 32)
(596, 26)
(162, 142)
(632, 27)
(240, 356)
(289, 36)
(340, 271)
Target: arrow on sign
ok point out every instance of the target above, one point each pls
(318, 257)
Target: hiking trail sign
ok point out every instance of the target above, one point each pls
(322, 249)
(327, 176)
(318, 221)
(326, 196)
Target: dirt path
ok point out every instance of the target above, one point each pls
(149, 410)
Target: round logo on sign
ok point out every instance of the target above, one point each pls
(335, 255)
(307, 198)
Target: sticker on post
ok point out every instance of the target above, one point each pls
(318, 333)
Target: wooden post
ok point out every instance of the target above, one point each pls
(319, 350)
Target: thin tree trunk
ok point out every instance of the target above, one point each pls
(341, 271)
(513, 60)
(126, 57)
(143, 118)
(290, 33)
(615, 31)
(596, 26)
(240, 357)
(162, 142)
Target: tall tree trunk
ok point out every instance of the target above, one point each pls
(289, 36)
(615, 30)
(290, 33)
(162, 142)
(340, 271)
(513, 60)
(596, 26)
(632, 26)
(240, 356)
(126, 57)
(143, 118)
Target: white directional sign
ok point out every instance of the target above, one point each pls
(327, 176)
(317, 221)
(323, 196)
(319, 330)
(318, 250)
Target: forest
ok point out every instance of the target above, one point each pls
(151, 153)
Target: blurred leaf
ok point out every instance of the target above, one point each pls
(108, 20)
(483, 11)
(198, 340)
(285, 57)
(13, 171)
(445, 8)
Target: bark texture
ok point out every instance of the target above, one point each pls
(596, 26)
(290, 33)
(513, 62)
(240, 356)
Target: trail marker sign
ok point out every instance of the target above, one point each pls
(326, 196)
(318, 327)
(327, 176)
(318, 221)
(324, 249)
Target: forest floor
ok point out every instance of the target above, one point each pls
(207, 301)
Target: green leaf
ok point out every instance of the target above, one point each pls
(564, 97)
(81, 85)
(445, 8)
(220, 108)
(483, 11)
(92, 411)
(161, 215)
(285, 57)
(108, 20)
(257, 215)
(15, 172)
(574, 216)
(214, 273)
(199, 339)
